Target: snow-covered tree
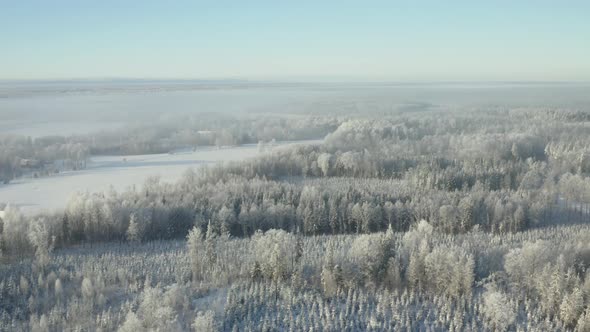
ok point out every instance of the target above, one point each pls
(196, 251)
(41, 241)
(133, 231)
(205, 322)
(572, 306)
(499, 310)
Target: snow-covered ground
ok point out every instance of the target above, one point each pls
(122, 172)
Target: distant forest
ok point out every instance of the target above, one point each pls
(21, 155)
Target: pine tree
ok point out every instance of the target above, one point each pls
(87, 289)
(278, 264)
(298, 248)
(393, 278)
(329, 284)
(210, 246)
(466, 210)
(256, 272)
(196, 250)
(338, 276)
(520, 219)
(334, 215)
(65, 224)
(133, 232)
(42, 242)
(415, 271)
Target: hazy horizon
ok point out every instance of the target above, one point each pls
(282, 80)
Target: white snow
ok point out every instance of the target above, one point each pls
(122, 172)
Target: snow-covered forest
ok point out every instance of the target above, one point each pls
(24, 155)
(462, 218)
(313, 166)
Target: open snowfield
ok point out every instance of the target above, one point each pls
(51, 193)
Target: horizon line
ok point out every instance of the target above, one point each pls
(277, 81)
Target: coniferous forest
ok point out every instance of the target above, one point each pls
(429, 219)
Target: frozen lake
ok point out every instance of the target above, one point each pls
(51, 193)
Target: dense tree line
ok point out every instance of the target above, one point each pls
(239, 207)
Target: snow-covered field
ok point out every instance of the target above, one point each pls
(122, 172)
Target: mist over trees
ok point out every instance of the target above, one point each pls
(20, 155)
(464, 219)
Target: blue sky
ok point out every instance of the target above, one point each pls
(300, 40)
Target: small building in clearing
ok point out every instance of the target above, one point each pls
(30, 163)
